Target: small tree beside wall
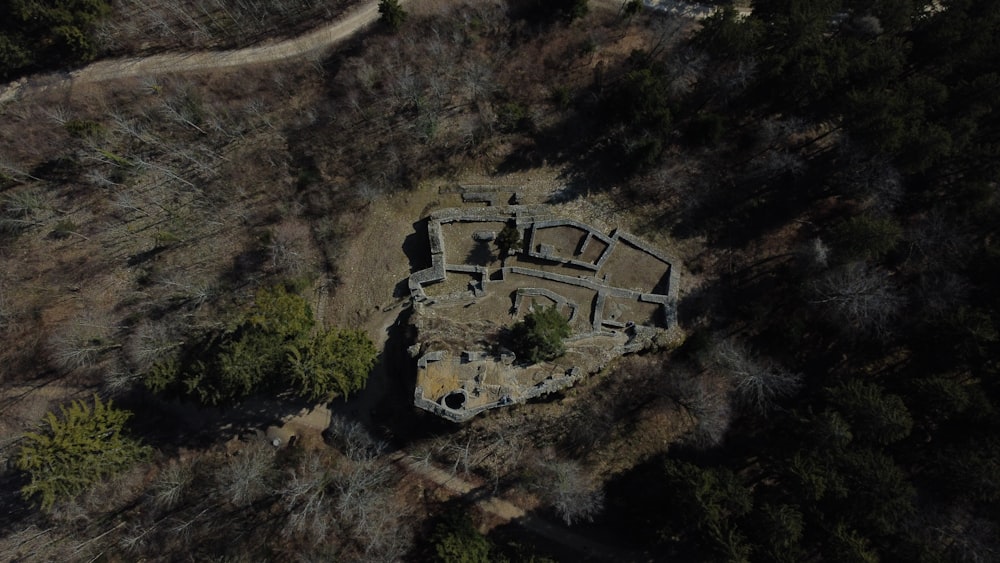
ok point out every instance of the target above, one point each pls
(539, 337)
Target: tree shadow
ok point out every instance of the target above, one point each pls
(417, 247)
(16, 511)
(402, 289)
(743, 206)
(145, 255)
(385, 406)
(572, 144)
(175, 424)
(244, 265)
(481, 254)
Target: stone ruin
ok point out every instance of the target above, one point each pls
(616, 290)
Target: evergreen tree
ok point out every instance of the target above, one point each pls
(77, 449)
(866, 237)
(272, 348)
(456, 540)
(47, 32)
(875, 416)
(509, 238)
(332, 364)
(392, 14)
(539, 337)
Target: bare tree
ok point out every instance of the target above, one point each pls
(873, 179)
(196, 292)
(58, 114)
(502, 456)
(815, 254)
(477, 78)
(171, 485)
(862, 299)
(460, 454)
(370, 512)
(942, 293)
(757, 382)
(706, 398)
(573, 494)
(246, 476)
(81, 343)
(23, 209)
(384, 530)
(357, 483)
(777, 162)
(119, 379)
(11, 169)
(7, 314)
(306, 501)
(288, 244)
(939, 242)
(354, 440)
(148, 343)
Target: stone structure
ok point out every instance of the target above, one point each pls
(571, 265)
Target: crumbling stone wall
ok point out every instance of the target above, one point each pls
(529, 219)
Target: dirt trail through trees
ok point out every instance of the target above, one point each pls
(313, 42)
(506, 511)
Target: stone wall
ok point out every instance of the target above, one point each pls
(555, 297)
(557, 379)
(531, 219)
(549, 256)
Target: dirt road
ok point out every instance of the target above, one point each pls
(314, 42)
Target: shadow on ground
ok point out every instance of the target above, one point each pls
(385, 405)
(170, 425)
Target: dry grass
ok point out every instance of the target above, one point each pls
(564, 240)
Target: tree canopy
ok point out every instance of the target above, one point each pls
(456, 540)
(539, 337)
(76, 449)
(508, 238)
(273, 348)
(391, 14)
(37, 33)
(332, 364)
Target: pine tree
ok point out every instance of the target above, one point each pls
(392, 14)
(509, 238)
(333, 364)
(539, 337)
(79, 448)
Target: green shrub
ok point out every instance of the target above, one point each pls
(561, 97)
(82, 128)
(63, 229)
(514, 116)
(706, 129)
(509, 238)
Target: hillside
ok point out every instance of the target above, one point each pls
(216, 243)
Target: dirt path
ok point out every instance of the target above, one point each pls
(313, 42)
(507, 512)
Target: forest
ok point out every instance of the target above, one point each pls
(177, 269)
